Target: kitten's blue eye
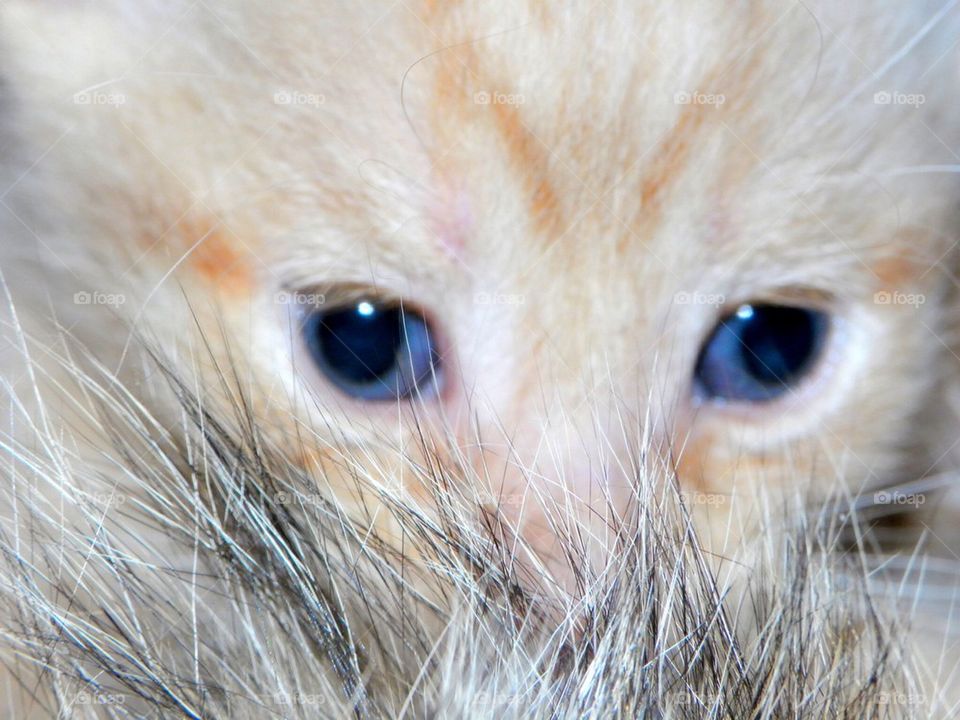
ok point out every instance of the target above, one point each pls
(374, 351)
(760, 352)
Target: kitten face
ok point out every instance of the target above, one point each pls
(573, 197)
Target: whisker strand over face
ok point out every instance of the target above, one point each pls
(479, 359)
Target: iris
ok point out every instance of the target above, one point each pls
(374, 351)
(760, 352)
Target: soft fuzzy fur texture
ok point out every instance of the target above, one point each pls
(195, 523)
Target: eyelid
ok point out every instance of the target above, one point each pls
(817, 396)
(801, 296)
(336, 295)
(321, 298)
(302, 303)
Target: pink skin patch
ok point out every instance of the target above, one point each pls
(452, 219)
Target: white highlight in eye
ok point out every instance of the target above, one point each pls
(366, 309)
(745, 312)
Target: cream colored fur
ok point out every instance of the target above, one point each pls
(559, 185)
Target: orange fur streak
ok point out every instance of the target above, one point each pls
(671, 156)
(216, 259)
(896, 272)
(527, 152)
(524, 150)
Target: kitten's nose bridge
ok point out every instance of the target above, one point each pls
(554, 478)
(563, 350)
(561, 444)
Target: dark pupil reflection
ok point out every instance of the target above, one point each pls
(362, 342)
(778, 343)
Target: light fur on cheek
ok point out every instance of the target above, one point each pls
(199, 523)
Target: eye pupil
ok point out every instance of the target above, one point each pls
(760, 352)
(362, 342)
(778, 343)
(373, 351)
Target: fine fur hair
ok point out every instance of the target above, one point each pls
(196, 524)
